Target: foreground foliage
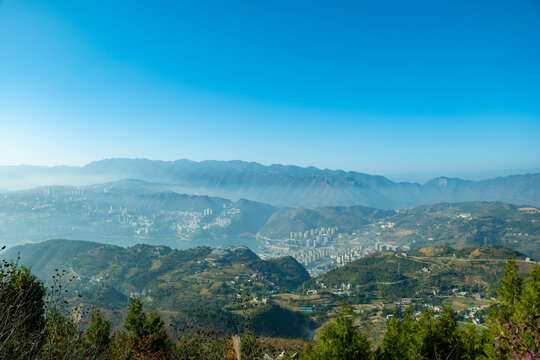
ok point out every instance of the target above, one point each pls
(37, 323)
(340, 340)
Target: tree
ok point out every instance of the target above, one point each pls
(339, 339)
(447, 336)
(509, 292)
(202, 344)
(441, 338)
(472, 342)
(97, 335)
(64, 338)
(519, 337)
(529, 303)
(155, 333)
(430, 338)
(400, 340)
(135, 318)
(22, 312)
(147, 338)
(250, 347)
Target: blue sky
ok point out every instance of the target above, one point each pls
(386, 87)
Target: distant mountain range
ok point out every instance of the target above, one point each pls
(279, 185)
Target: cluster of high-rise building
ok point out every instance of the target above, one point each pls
(207, 212)
(64, 191)
(224, 219)
(308, 256)
(348, 256)
(388, 247)
(313, 237)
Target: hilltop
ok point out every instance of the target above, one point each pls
(49, 255)
(487, 252)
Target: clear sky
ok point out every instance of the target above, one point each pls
(385, 87)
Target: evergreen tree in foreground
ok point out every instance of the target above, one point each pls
(36, 324)
(509, 292)
(147, 338)
(22, 307)
(340, 340)
(98, 334)
(429, 338)
(400, 340)
(516, 331)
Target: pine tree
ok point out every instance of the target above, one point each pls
(98, 334)
(520, 337)
(22, 311)
(400, 340)
(147, 334)
(340, 340)
(471, 342)
(135, 318)
(530, 301)
(509, 292)
(448, 340)
(515, 323)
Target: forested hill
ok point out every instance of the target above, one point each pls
(436, 270)
(281, 185)
(45, 257)
(166, 278)
(196, 287)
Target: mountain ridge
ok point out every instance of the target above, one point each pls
(284, 185)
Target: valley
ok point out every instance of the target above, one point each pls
(127, 213)
(227, 286)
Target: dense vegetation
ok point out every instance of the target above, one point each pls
(197, 286)
(513, 330)
(36, 324)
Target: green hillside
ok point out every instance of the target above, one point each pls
(49, 255)
(184, 283)
(385, 268)
(390, 276)
(473, 252)
(470, 224)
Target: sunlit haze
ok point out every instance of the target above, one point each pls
(269, 180)
(388, 88)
